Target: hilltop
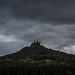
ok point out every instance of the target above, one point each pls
(37, 52)
(39, 58)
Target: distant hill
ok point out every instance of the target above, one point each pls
(38, 55)
(37, 52)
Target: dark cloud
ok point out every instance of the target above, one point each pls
(23, 21)
(48, 11)
(52, 11)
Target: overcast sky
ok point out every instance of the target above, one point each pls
(23, 21)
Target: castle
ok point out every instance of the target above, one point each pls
(36, 43)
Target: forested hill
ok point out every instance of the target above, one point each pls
(37, 53)
(39, 57)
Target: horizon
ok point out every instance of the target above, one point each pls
(35, 41)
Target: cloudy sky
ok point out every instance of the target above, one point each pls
(23, 21)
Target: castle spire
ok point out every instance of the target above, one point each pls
(37, 40)
(34, 41)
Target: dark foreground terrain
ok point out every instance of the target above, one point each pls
(37, 60)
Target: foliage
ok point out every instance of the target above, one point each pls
(37, 61)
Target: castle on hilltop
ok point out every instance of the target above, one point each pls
(36, 43)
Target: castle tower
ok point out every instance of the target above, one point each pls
(37, 41)
(34, 41)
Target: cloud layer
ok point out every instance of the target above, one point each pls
(23, 21)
